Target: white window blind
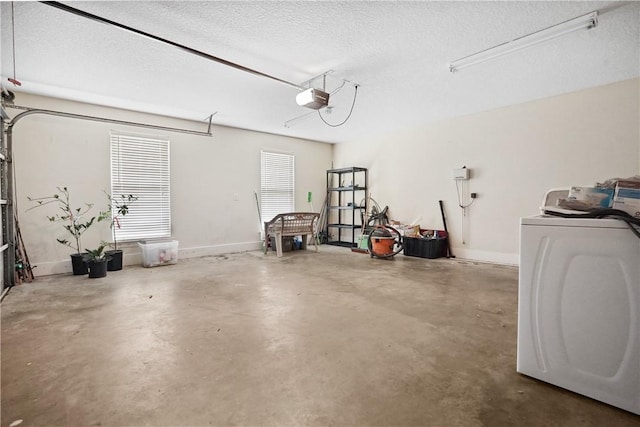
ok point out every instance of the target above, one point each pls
(277, 184)
(140, 166)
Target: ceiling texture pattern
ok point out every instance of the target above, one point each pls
(397, 52)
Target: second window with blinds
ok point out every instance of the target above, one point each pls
(277, 190)
(140, 167)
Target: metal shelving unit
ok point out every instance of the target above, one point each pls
(346, 202)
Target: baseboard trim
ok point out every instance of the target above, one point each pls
(484, 256)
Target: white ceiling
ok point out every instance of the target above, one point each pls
(398, 52)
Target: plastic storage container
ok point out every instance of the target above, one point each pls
(425, 248)
(159, 253)
(287, 243)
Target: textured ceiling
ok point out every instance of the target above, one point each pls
(398, 52)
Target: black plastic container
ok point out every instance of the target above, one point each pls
(97, 268)
(115, 260)
(425, 248)
(78, 264)
(287, 243)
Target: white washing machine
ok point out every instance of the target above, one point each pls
(579, 307)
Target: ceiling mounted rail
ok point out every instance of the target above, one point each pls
(29, 111)
(193, 51)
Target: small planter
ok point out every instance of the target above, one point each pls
(97, 268)
(115, 260)
(78, 264)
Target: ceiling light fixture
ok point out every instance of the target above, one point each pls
(318, 100)
(584, 22)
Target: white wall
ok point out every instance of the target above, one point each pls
(515, 153)
(206, 174)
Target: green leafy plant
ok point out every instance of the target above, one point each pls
(118, 207)
(75, 220)
(96, 255)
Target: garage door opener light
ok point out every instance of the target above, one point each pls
(313, 98)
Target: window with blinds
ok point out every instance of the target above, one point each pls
(277, 184)
(140, 166)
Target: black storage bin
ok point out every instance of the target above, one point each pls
(287, 243)
(425, 248)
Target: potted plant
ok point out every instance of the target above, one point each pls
(74, 220)
(96, 260)
(118, 207)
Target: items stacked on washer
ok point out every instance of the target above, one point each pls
(615, 193)
(615, 199)
(627, 196)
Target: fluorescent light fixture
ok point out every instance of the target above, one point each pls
(584, 22)
(313, 98)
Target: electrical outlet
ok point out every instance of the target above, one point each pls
(474, 195)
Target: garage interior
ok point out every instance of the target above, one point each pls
(229, 334)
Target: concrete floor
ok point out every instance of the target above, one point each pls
(321, 339)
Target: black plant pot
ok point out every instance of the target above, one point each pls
(97, 268)
(78, 264)
(115, 260)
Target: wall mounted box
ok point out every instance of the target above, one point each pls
(159, 253)
(461, 174)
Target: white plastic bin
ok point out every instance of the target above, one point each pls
(159, 253)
